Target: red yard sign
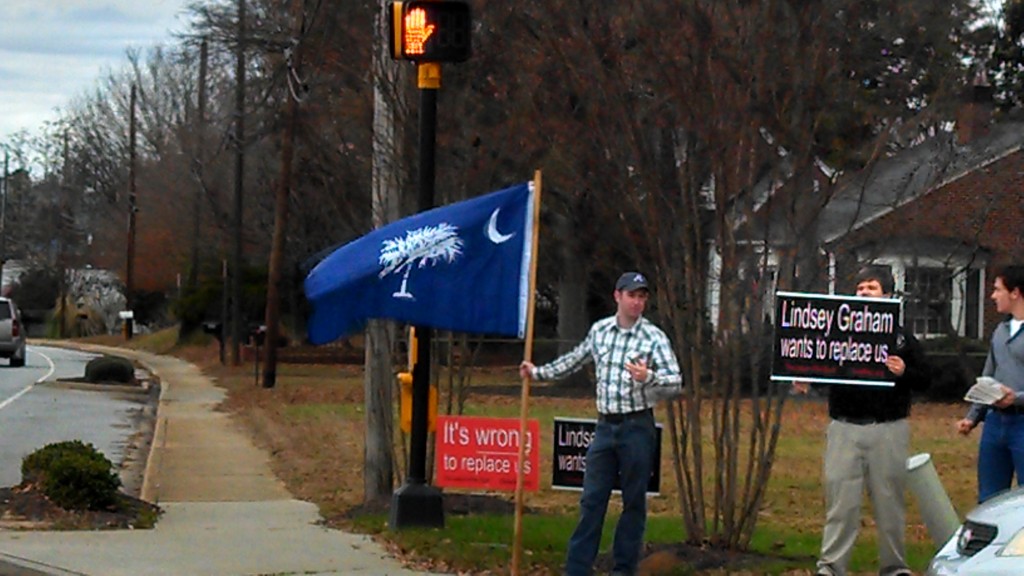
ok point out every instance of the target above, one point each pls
(483, 453)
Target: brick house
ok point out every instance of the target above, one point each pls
(944, 215)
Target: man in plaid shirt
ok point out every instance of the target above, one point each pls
(635, 367)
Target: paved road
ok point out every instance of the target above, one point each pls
(225, 512)
(36, 410)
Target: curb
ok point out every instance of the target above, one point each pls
(91, 387)
(150, 489)
(15, 566)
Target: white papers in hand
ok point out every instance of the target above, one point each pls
(986, 390)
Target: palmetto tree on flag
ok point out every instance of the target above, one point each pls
(420, 247)
(477, 274)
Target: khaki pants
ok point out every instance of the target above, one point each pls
(871, 456)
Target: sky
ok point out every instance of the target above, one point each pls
(52, 51)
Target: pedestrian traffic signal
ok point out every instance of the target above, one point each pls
(430, 30)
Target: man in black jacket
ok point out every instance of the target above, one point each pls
(868, 441)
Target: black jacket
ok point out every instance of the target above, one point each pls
(865, 403)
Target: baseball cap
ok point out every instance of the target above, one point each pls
(632, 281)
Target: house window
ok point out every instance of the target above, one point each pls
(927, 301)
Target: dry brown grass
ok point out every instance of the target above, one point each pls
(312, 425)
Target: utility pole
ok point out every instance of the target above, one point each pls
(62, 280)
(224, 289)
(236, 255)
(273, 312)
(129, 282)
(3, 219)
(197, 169)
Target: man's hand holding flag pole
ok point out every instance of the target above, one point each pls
(517, 542)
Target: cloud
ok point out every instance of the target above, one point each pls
(52, 51)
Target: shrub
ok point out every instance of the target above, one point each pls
(110, 369)
(203, 303)
(955, 344)
(955, 362)
(79, 482)
(73, 475)
(35, 465)
(952, 374)
(151, 308)
(37, 289)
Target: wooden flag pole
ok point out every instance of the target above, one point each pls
(517, 543)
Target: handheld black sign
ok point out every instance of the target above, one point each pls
(834, 339)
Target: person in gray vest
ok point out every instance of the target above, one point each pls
(1001, 449)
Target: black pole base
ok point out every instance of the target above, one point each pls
(416, 505)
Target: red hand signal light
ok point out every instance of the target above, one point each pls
(431, 30)
(417, 31)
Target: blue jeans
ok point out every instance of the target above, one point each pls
(623, 452)
(1000, 454)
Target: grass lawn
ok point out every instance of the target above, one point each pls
(312, 425)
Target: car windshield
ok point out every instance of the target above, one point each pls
(5, 311)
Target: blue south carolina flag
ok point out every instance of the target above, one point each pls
(464, 267)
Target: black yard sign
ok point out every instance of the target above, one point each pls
(569, 462)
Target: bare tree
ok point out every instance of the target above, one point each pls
(711, 128)
(381, 338)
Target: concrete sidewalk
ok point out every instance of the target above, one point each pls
(225, 513)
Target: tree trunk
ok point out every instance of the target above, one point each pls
(237, 327)
(573, 320)
(379, 379)
(378, 385)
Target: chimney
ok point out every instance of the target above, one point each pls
(974, 116)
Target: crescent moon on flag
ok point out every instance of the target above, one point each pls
(492, 229)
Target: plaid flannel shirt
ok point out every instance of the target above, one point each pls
(610, 347)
